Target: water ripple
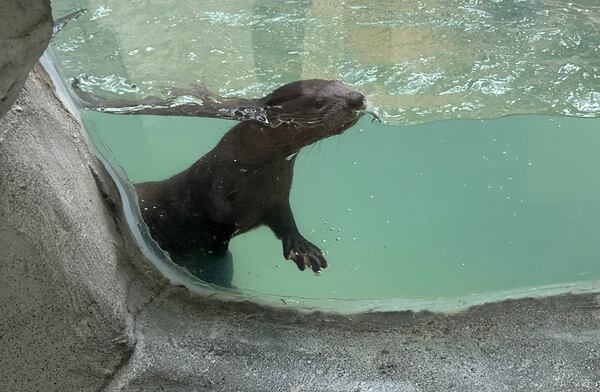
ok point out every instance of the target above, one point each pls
(416, 61)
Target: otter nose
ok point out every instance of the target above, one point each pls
(356, 100)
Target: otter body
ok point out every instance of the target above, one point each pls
(245, 180)
(227, 192)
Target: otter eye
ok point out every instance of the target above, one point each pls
(320, 103)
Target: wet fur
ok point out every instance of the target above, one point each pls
(245, 181)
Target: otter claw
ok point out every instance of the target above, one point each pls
(304, 254)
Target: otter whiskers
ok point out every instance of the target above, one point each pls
(374, 116)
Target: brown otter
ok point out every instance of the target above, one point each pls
(245, 180)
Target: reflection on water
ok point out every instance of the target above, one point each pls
(416, 61)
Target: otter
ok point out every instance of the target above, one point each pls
(245, 180)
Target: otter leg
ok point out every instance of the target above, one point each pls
(295, 246)
(210, 268)
(210, 260)
(219, 235)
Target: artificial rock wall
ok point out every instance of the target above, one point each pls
(25, 30)
(64, 323)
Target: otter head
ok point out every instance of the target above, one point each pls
(310, 110)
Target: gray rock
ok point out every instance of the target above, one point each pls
(185, 343)
(25, 30)
(65, 325)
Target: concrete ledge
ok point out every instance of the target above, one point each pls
(186, 343)
(65, 321)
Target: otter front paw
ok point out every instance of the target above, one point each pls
(303, 253)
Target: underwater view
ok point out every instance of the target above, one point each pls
(479, 179)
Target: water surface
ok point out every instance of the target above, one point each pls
(417, 61)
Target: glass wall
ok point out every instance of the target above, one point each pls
(444, 200)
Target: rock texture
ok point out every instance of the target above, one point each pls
(25, 30)
(185, 343)
(65, 325)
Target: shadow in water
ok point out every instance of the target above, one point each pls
(210, 268)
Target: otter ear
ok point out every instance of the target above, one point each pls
(277, 99)
(287, 92)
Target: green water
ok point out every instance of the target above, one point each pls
(415, 209)
(438, 210)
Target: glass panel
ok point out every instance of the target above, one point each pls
(439, 210)
(414, 209)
